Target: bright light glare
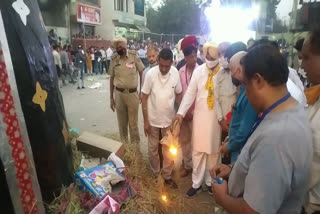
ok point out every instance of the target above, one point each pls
(230, 24)
(173, 150)
(164, 198)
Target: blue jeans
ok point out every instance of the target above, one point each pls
(81, 75)
(98, 67)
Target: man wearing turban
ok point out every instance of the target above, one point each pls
(125, 67)
(189, 48)
(206, 131)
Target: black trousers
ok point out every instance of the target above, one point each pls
(93, 65)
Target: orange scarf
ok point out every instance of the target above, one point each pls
(312, 94)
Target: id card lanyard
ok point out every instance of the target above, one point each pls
(267, 111)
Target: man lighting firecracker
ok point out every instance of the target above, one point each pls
(206, 131)
(160, 90)
(189, 47)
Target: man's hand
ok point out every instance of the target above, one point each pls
(226, 139)
(112, 104)
(220, 191)
(220, 171)
(146, 128)
(224, 125)
(223, 149)
(178, 118)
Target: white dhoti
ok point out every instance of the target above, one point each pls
(206, 142)
(202, 162)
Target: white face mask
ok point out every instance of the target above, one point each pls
(224, 62)
(212, 64)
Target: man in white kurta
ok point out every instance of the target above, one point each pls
(206, 129)
(225, 90)
(161, 89)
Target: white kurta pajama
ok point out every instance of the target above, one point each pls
(206, 129)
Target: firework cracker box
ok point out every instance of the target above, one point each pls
(99, 180)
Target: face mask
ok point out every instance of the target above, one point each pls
(224, 62)
(212, 64)
(236, 82)
(300, 62)
(121, 52)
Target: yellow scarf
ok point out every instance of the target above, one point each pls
(312, 94)
(209, 86)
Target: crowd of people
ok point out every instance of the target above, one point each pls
(74, 64)
(78, 63)
(249, 125)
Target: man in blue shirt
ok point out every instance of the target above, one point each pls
(243, 114)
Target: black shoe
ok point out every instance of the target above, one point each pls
(83, 87)
(209, 190)
(171, 184)
(78, 88)
(192, 192)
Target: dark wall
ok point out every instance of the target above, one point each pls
(5, 199)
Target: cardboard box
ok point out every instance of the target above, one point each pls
(99, 179)
(98, 146)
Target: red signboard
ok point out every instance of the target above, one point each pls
(89, 14)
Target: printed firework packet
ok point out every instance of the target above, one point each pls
(99, 179)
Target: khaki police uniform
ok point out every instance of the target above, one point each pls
(125, 72)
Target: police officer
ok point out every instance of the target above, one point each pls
(124, 69)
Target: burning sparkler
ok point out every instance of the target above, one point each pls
(164, 198)
(173, 150)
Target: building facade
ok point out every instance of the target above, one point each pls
(94, 18)
(120, 17)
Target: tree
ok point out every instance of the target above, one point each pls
(271, 9)
(272, 19)
(174, 16)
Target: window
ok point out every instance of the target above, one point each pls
(139, 7)
(127, 6)
(118, 5)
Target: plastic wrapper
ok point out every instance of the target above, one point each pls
(107, 206)
(117, 161)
